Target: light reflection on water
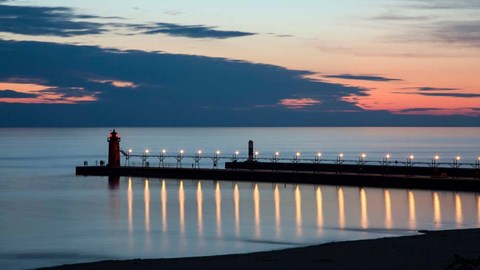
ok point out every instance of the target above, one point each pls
(223, 212)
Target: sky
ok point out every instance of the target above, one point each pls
(240, 63)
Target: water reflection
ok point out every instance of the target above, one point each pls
(319, 208)
(164, 207)
(363, 207)
(181, 206)
(411, 210)
(437, 215)
(256, 202)
(298, 210)
(218, 204)
(458, 210)
(130, 206)
(200, 208)
(236, 204)
(478, 209)
(147, 206)
(221, 223)
(388, 209)
(276, 201)
(341, 209)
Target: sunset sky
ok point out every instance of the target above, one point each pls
(229, 63)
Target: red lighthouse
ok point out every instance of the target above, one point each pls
(113, 149)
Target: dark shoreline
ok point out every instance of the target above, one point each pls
(449, 249)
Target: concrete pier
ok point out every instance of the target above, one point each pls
(301, 177)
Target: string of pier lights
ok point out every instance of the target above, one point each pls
(362, 160)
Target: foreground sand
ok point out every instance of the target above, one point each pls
(456, 249)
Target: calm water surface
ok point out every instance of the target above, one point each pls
(49, 216)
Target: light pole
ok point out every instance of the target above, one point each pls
(216, 157)
(386, 159)
(340, 158)
(275, 156)
(161, 157)
(255, 157)
(456, 161)
(235, 156)
(145, 156)
(318, 157)
(361, 159)
(179, 158)
(410, 160)
(197, 159)
(296, 157)
(127, 157)
(435, 160)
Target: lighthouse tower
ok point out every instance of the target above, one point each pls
(113, 149)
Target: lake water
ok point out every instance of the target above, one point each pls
(49, 216)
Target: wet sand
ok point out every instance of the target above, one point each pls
(452, 249)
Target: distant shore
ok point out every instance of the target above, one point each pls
(452, 249)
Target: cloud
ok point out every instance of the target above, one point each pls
(53, 21)
(397, 17)
(362, 77)
(456, 95)
(436, 89)
(191, 31)
(431, 89)
(445, 4)
(458, 32)
(14, 94)
(298, 103)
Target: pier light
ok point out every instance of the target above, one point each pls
(297, 154)
(147, 151)
(277, 154)
(181, 152)
(436, 157)
(199, 152)
(340, 155)
(388, 156)
(218, 152)
(319, 154)
(458, 158)
(257, 153)
(130, 151)
(164, 151)
(364, 155)
(237, 152)
(411, 157)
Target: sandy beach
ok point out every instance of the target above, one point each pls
(453, 249)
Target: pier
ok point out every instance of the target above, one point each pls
(385, 173)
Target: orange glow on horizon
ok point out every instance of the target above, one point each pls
(43, 94)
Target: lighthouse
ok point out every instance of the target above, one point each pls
(113, 149)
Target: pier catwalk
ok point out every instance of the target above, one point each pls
(386, 175)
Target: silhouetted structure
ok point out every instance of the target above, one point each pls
(250, 151)
(113, 150)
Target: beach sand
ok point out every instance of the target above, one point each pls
(452, 249)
